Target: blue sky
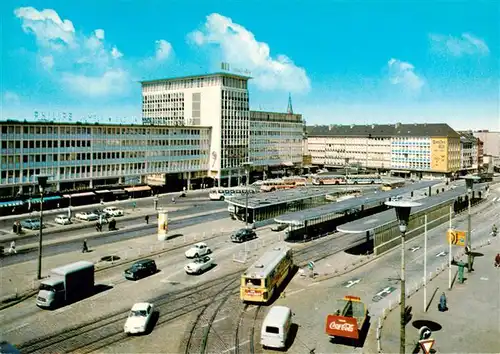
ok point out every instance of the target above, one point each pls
(344, 62)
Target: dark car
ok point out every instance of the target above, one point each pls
(243, 235)
(279, 227)
(141, 269)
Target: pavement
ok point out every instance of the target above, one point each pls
(472, 322)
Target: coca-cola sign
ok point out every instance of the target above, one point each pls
(340, 326)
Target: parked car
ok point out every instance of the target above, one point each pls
(62, 220)
(141, 269)
(113, 211)
(243, 235)
(139, 318)
(199, 265)
(199, 249)
(87, 216)
(279, 227)
(32, 224)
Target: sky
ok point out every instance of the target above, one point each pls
(343, 62)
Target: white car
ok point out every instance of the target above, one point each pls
(139, 318)
(199, 249)
(113, 211)
(87, 215)
(199, 265)
(62, 220)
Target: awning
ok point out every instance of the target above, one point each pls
(85, 194)
(138, 189)
(12, 203)
(45, 199)
(103, 191)
(118, 191)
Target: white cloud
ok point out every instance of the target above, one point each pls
(47, 61)
(163, 49)
(47, 26)
(239, 47)
(99, 33)
(403, 74)
(111, 82)
(466, 44)
(11, 99)
(115, 53)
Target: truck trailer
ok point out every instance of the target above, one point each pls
(66, 284)
(349, 319)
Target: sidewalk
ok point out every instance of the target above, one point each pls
(20, 278)
(472, 323)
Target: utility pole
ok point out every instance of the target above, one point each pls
(247, 170)
(469, 183)
(42, 183)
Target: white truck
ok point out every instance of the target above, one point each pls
(66, 284)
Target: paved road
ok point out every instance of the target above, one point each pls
(125, 234)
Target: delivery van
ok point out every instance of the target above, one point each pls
(275, 328)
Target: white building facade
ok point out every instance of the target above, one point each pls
(468, 152)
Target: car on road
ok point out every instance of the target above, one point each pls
(141, 269)
(113, 211)
(199, 265)
(279, 227)
(199, 249)
(62, 219)
(139, 318)
(243, 235)
(87, 216)
(32, 224)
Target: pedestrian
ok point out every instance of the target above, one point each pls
(173, 200)
(12, 248)
(146, 218)
(442, 303)
(497, 260)
(85, 248)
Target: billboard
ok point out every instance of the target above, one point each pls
(340, 326)
(162, 225)
(439, 154)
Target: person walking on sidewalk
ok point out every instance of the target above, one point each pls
(12, 248)
(497, 260)
(442, 303)
(85, 248)
(146, 219)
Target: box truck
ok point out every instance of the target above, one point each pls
(66, 284)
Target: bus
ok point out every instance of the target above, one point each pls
(221, 193)
(299, 181)
(364, 179)
(272, 185)
(390, 185)
(262, 280)
(328, 179)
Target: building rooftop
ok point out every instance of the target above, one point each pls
(299, 217)
(373, 222)
(383, 130)
(96, 124)
(236, 76)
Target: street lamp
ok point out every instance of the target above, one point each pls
(469, 182)
(42, 183)
(247, 166)
(403, 209)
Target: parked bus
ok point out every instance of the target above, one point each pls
(364, 179)
(387, 186)
(262, 280)
(221, 193)
(299, 181)
(272, 185)
(328, 179)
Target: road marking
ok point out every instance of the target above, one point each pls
(414, 248)
(441, 254)
(295, 292)
(220, 319)
(16, 328)
(351, 282)
(483, 278)
(231, 349)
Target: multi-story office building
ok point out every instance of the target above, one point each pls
(220, 101)
(469, 154)
(491, 146)
(406, 149)
(276, 139)
(87, 155)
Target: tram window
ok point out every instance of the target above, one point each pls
(254, 282)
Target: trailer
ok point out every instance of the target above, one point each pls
(348, 320)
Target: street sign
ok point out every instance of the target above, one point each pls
(456, 237)
(310, 265)
(351, 282)
(426, 345)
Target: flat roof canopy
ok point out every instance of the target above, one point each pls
(299, 217)
(262, 200)
(378, 220)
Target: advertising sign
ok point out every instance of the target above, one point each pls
(162, 225)
(340, 326)
(456, 237)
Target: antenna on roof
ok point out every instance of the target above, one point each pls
(289, 109)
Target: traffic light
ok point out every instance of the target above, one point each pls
(425, 333)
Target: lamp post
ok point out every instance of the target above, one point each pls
(403, 209)
(42, 183)
(469, 182)
(247, 172)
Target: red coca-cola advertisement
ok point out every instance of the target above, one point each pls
(340, 326)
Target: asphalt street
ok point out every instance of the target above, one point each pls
(120, 235)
